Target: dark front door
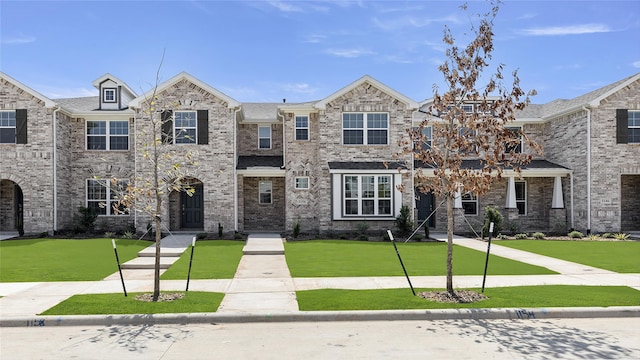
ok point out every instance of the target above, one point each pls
(425, 205)
(193, 209)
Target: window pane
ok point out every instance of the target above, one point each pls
(353, 121)
(265, 192)
(119, 143)
(384, 187)
(522, 208)
(634, 118)
(368, 186)
(302, 121)
(634, 135)
(368, 207)
(470, 208)
(302, 183)
(185, 119)
(353, 137)
(520, 191)
(384, 207)
(7, 118)
(377, 137)
(96, 127)
(119, 128)
(351, 207)
(351, 186)
(302, 134)
(8, 136)
(378, 121)
(265, 143)
(96, 143)
(186, 136)
(98, 207)
(264, 132)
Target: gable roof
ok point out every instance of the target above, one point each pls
(47, 102)
(96, 83)
(232, 103)
(322, 104)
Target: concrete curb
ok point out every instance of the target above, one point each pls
(317, 316)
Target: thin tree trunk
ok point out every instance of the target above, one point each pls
(450, 244)
(156, 274)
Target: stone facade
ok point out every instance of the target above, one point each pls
(51, 194)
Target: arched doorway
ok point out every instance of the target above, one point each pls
(187, 212)
(11, 207)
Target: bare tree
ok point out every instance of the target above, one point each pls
(161, 168)
(469, 122)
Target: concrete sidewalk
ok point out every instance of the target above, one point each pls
(263, 289)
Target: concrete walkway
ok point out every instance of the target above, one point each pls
(263, 286)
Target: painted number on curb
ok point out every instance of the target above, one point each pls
(36, 323)
(524, 314)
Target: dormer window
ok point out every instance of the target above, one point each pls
(109, 95)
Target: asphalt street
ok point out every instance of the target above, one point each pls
(601, 338)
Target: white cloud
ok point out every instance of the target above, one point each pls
(315, 39)
(568, 67)
(349, 53)
(63, 93)
(300, 88)
(18, 40)
(412, 22)
(567, 30)
(636, 64)
(285, 6)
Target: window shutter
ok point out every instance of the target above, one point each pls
(167, 127)
(21, 126)
(203, 127)
(622, 126)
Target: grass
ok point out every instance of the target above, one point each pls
(63, 259)
(342, 258)
(96, 304)
(216, 259)
(618, 256)
(504, 297)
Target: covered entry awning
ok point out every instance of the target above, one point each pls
(254, 165)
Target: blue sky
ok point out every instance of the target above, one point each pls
(262, 51)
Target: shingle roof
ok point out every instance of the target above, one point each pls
(477, 165)
(364, 165)
(246, 162)
(82, 104)
(260, 111)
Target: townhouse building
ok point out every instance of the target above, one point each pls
(328, 165)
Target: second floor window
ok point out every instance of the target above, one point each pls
(107, 135)
(7, 127)
(302, 128)
(185, 127)
(264, 137)
(515, 133)
(365, 128)
(634, 126)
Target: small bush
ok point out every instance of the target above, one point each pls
(296, 229)
(201, 236)
(502, 237)
(607, 235)
(363, 227)
(593, 237)
(128, 235)
(109, 234)
(575, 235)
(404, 221)
(363, 238)
(492, 215)
(521, 236)
(538, 235)
(621, 236)
(85, 219)
(385, 236)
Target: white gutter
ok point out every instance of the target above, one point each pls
(571, 178)
(55, 170)
(588, 168)
(235, 166)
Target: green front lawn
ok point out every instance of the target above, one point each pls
(504, 297)
(63, 259)
(214, 259)
(618, 256)
(343, 258)
(94, 304)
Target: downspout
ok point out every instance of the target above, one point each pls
(588, 169)
(284, 139)
(235, 168)
(571, 190)
(55, 169)
(135, 162)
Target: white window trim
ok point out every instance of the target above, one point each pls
(634, 126)
(337, 199)
(516, 128)
(299, 187)
(522, 201)
(108, 202)
(262, 138)
(107, 136)
(365, 127)
(473, 200)
(107, 91)
(268, 191)
(176, 129)
(15, 130)
(296, 128)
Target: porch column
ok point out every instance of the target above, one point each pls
(558, 201)
(511, 194)
(457, 200)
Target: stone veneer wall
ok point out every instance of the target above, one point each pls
(30, 165)
(630, 203)
(269, 217)
(609, 161)
(7, 205)
(248, 140)
(364, 98)
(214, 161)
